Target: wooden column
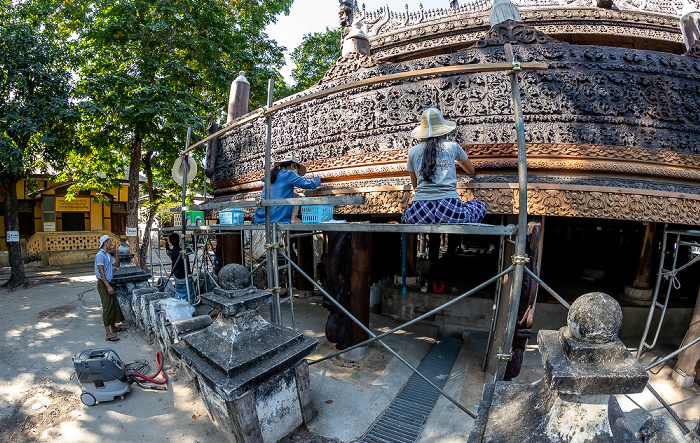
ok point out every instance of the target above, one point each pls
(685, 373)
(528, 296)
(411, 250)
(640, 291)
(433, 247)
(228, 248)
(305, 252)
(359, 283)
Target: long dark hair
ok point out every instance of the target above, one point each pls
(430, 157)
(276, 170)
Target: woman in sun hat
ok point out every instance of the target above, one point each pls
(111, 312)
(285, 175)
(431, 165)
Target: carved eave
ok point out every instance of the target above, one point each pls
(694, 51)
(515, 33)
(588, 26)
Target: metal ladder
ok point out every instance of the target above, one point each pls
(660, 301)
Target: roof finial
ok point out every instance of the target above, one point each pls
(503, 10)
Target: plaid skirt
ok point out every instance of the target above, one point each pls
(449, 210)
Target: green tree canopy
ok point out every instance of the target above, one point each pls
(35, 110)
(150, 68)
(314, 56)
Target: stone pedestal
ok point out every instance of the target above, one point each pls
(250, 373)
(585, 366)
(125, 279)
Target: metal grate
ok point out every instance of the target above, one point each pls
(404, 419)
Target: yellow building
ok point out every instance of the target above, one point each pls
(61, 231)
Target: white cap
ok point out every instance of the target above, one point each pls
(103, 239)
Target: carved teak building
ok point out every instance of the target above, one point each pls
(612, 127)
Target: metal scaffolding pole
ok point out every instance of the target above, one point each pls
(520, 258)
(270, 234)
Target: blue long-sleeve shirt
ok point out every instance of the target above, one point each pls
(283, 187)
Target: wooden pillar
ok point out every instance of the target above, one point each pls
(228, 249)
(411, 249)
(305, 255)
(359, 283)
(434, 247)
(640, 291)
(502, 313)
(528, 296)
(685, 373)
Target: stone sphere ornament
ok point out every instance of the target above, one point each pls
(594, 318)
(234, 276)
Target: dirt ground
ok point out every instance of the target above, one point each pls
(43, 325)
(41, 328)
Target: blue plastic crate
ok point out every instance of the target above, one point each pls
(231, 217)
(316, 213)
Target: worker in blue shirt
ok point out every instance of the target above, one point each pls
(285, 175)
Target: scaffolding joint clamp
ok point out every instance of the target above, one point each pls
(502, 356)
(258, 203)
(276, 290)
(272, 245)
(516, 68)
(520, 259)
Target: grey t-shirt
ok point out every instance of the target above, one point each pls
(443, 183)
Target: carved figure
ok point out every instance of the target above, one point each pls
(346, 17)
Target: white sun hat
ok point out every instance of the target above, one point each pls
(179, 169)
(432, 124)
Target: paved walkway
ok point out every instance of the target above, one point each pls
(43, 326)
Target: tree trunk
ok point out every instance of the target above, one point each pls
(142, 258)
(132, 214)
(17, 276)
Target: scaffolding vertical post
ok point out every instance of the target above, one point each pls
(403, 266)
(183, 240)
(520, 258)
(150, 251)
(271, 253)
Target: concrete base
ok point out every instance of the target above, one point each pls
(637, 296)
(268, 413)
(60, 258)
(473, 314)
(356, 354)
(543, 416)
(682, 379)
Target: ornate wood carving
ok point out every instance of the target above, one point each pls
(349, 64)
(384, 21)
(611, 132)
(515, 33)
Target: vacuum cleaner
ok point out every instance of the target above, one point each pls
(102, 375)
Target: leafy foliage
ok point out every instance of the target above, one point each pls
(314, 56)
(35, 109)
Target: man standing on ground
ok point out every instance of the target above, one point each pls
(111, 312)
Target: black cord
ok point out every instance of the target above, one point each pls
(140, 366)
